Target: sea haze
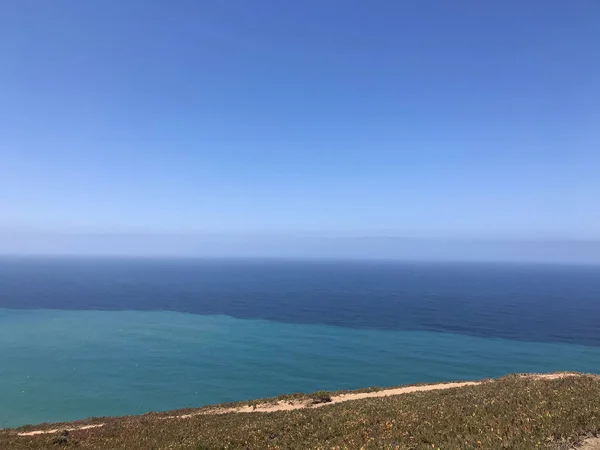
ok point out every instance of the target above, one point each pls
(85, 337)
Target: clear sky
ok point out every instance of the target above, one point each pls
(349, 117)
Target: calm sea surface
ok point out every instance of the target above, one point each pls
(90, 337)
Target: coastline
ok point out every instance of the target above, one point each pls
(555, 411)
(291, 402)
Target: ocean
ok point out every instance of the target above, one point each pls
(83, 337)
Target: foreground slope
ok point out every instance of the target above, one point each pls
(514, 412)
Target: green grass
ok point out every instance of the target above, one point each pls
(512, 413)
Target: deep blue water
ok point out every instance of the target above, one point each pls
(82, 337)
(547, 303)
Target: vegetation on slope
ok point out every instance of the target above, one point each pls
(512, 412)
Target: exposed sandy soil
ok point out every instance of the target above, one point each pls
(590, 444)
(85, 427)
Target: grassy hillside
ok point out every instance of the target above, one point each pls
(513, 412)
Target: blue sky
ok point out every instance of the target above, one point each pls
(426, 118)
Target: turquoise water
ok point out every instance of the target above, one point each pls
(66, 365)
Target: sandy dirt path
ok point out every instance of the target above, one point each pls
(57, 430)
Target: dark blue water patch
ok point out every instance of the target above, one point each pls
(548, 303)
